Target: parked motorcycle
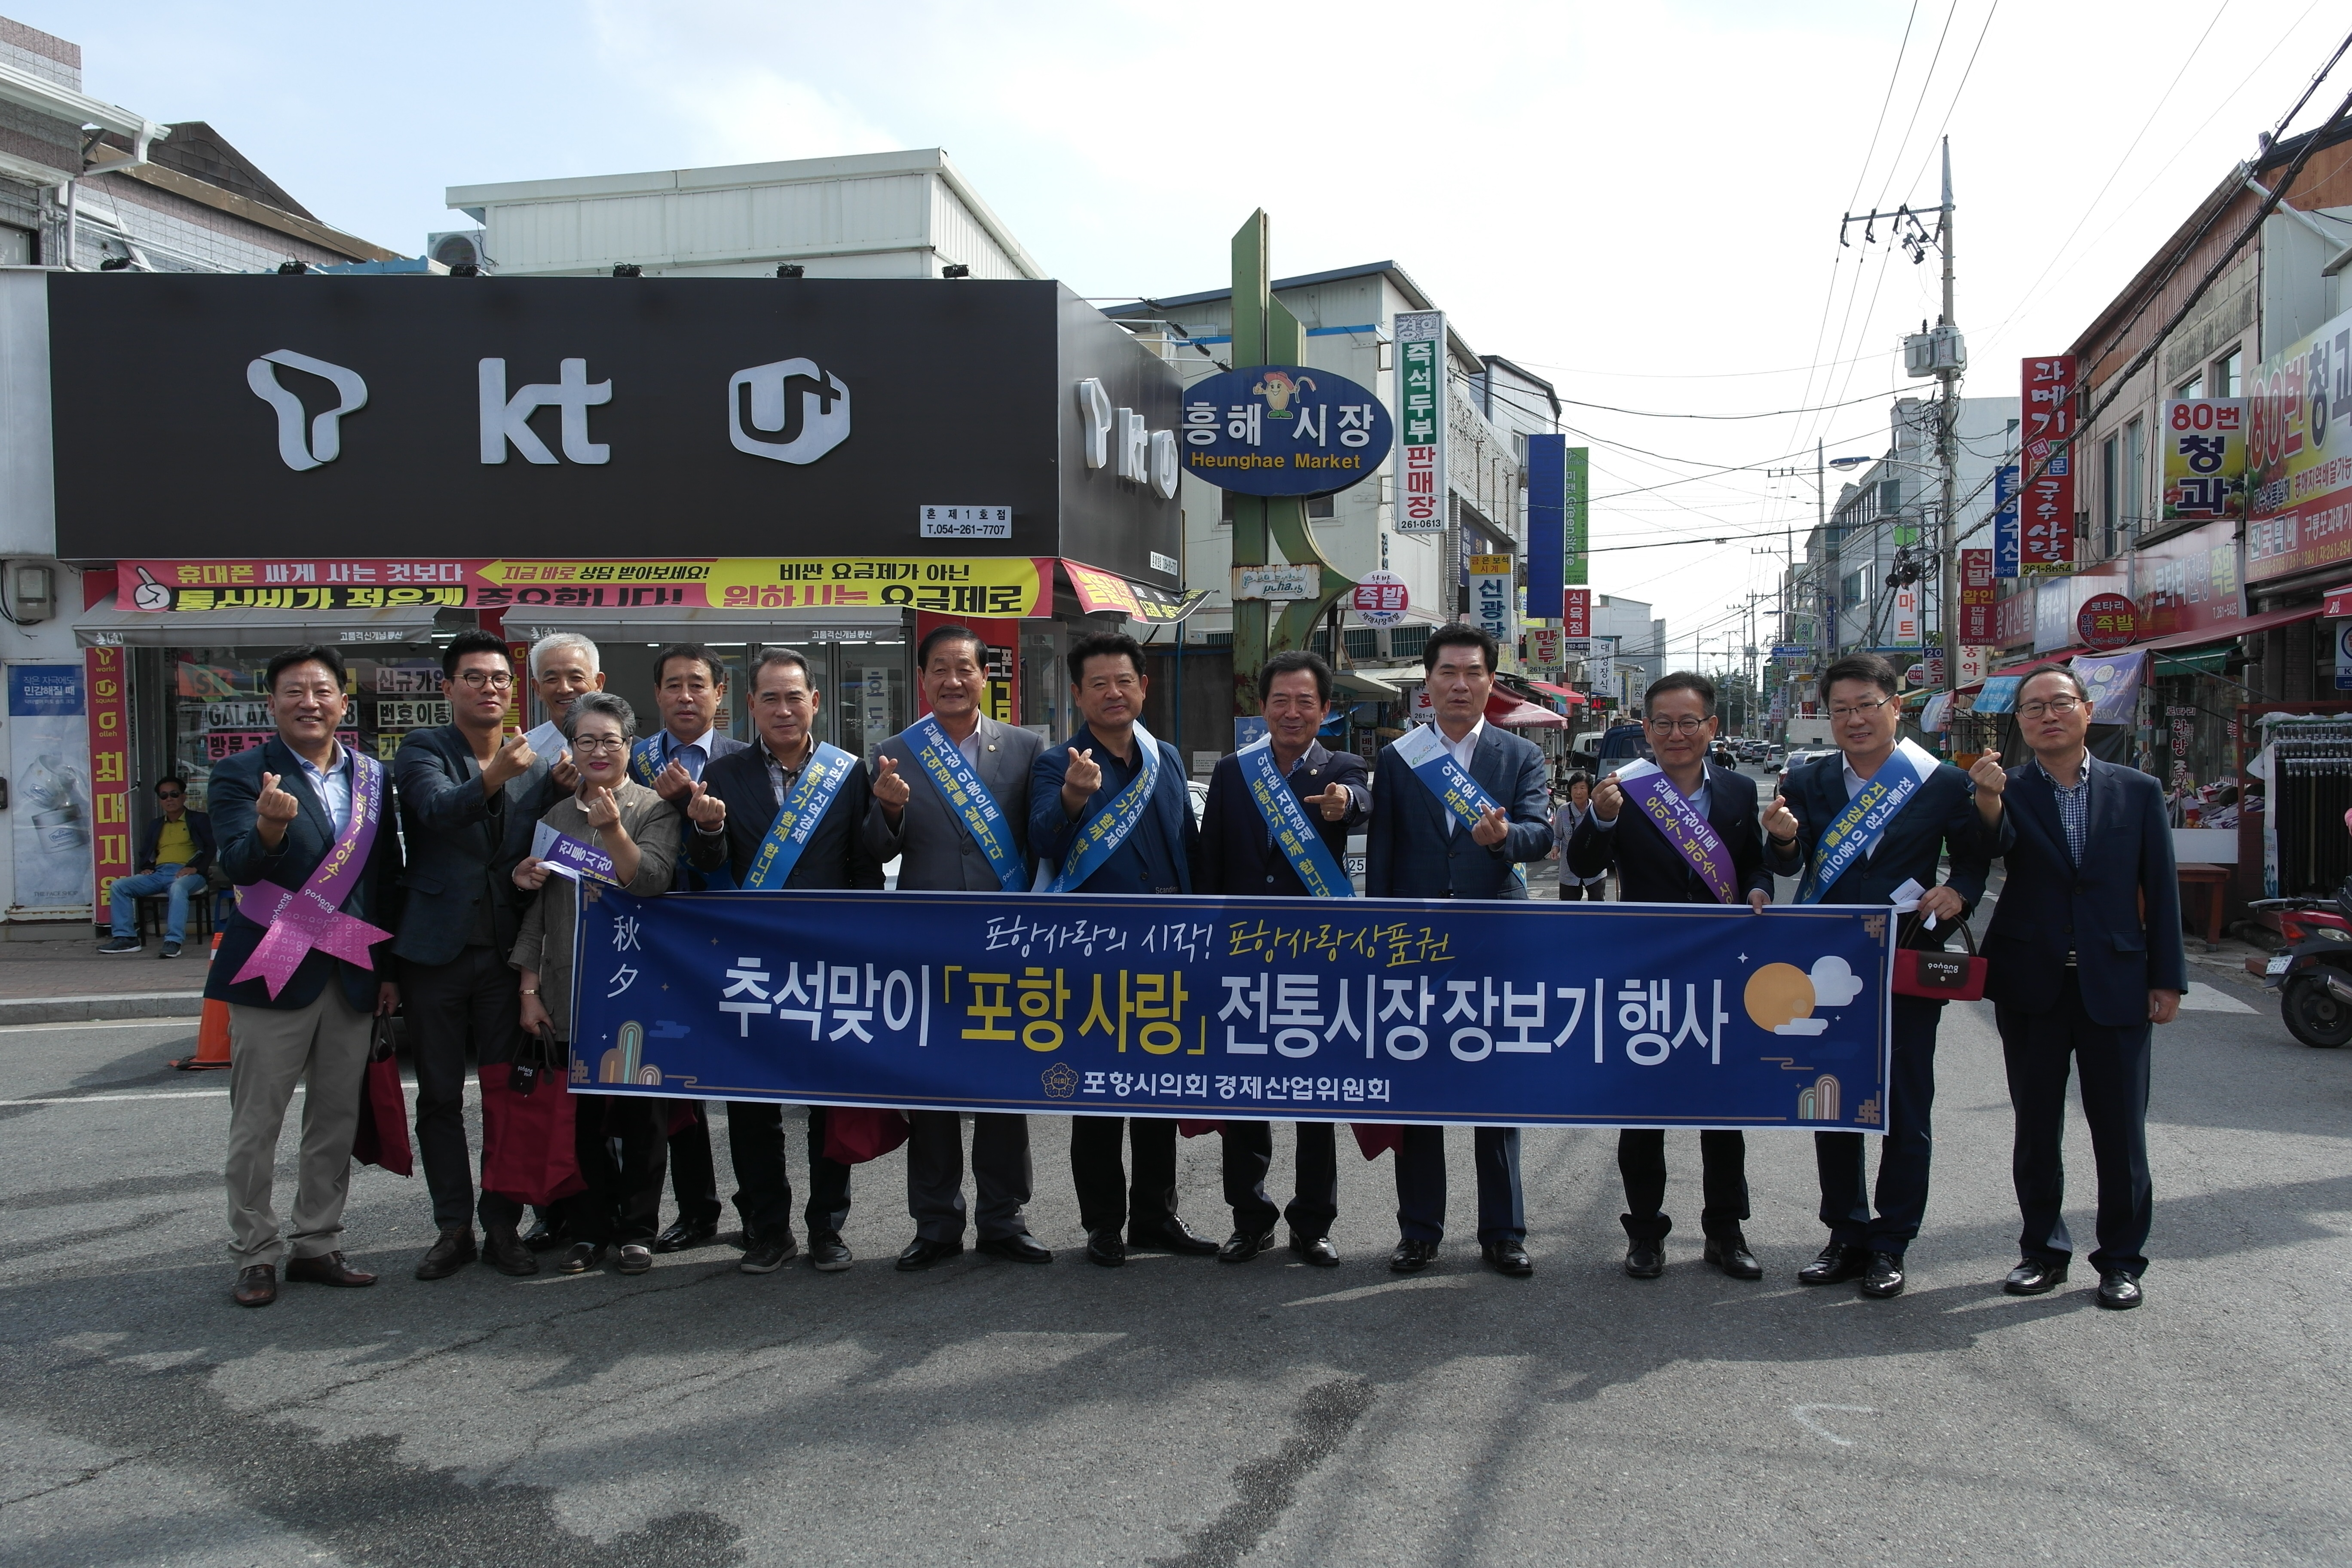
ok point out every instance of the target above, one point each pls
(2313, 975)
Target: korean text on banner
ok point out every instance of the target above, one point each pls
(109, 768)
(2204, 459)
(1491, 595)
(2299, 484)
(2046, 537)
(1978, 596)
(50, 834)
(2005, 542)
(1576, 612)
(1578, 511)
(1421, 505)
(1393, 1010)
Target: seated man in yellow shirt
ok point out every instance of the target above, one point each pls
(174, 853)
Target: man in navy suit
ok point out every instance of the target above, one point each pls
(1418, 849)
(1650, 869)
(1939, 816)
(732, 806)
(1069, 787)
(1238, 857)
(278, 810)
(2077, 971)
(467, 829)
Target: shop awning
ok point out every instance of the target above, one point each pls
(247, 627)
(1569, 695)
(1102, 593)
(2235, 629)
(1371, 688)
(2339, 604)
(1513, 713)
(1997, 695)
(704, 624)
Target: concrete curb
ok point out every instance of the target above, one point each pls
(86, 1009)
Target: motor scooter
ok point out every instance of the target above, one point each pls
(2313, 974)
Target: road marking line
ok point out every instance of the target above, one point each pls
(1803, 1415)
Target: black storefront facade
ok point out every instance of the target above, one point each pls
(376, 463)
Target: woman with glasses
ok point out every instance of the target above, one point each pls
(634, 828)
(1565, 821)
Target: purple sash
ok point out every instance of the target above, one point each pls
(1693, 836)
(309, 916)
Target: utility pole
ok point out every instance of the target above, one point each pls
(1948, 620)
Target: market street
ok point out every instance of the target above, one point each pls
(1178, 1410)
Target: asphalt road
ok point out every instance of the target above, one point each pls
(1179, 1411)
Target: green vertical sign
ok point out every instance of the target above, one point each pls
(1579, 490)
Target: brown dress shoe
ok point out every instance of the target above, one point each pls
(257, 1284)
(505, 1251)
(328, 1269)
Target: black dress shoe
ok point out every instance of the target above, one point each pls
(2034, 1278)
(581, 1257)
(1021, 1248)
(1507, 1257)
(828, 1254)
(505, 1251)
(1244, 1245)
(1645, 1258)
(635, 1258)
(257, 1284)
(922, 1253)
(1837, 1264)
(769, 1252)
(329, 1269)
(1730, 1254)
(1104, 1247)
(448, 1255)
(543, 1238)
(1316, 1249)
(1171, 1234)
(685, 1235)
(2119, 1291)
(1411, 1257)
(1884, 1278)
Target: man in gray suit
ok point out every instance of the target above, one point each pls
(941, 848)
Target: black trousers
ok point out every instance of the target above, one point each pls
(1421, 1184)
(1107, 1198)
(1903, 1152)
(473, 1002)
(763, 1189)
(622, 1146)
(1723, 1163)
(2039, 1047)
(1577, 892)
(1314, 1186)
(1000, 1169)
(692, 1179)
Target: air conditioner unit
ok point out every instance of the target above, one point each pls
(1935, 351)
(457, 247)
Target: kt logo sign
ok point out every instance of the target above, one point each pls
(791, 398)
(323, 441)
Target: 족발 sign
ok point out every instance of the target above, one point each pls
(2105, 621)
(1380, 599)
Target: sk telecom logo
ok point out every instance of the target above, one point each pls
(791, 398)
(322, 443)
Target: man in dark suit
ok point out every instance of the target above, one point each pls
(1419, 849)
(1069, 787)
(1651, 868)
(689, 687)
(732, 807)
(914, 823)
(281, 808)
(466, 831)
(2076, 971)
(1238, 856)
(1938, 816)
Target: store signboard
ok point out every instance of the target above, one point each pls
(1976, 663)
(1282, 581)
(2344, 655)
(2299, 457)
(1576, 614)
(2105, 621)
(1976, 596)
(2058, 603)
(2005, 543)
(1380, 599)
(1577, 511)
(1282, 430)
(1101, 592)
(2046, 518)
(609, 413)
(1491, 587)
(2189, 583)
(2204, 459)
(1547, 650)
(1419, 348)
(57, 830)
(1903, 626)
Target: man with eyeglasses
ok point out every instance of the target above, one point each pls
(175, 851)
(465, 831)
(1692, 839)
(2083, 954)
(1870, 826)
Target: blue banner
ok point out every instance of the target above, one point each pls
(1547, 525)
(2006, 542)
(1383, 1010)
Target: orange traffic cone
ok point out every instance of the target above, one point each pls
(211, 1033)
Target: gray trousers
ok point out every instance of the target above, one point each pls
(323, 1047)
(1000, 1167)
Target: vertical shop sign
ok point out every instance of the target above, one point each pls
(109, 768)
(1577, 508)
(1491, 598)
(1576, 614)
(2046, 538)
(1421, 421)
(2204, 459)
(2004, 522)
(1547, 524)
(1976, 596)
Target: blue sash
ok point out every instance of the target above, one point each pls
(804, 807)
(1286, 824)
(1101, 835)
(1424, 751)
(1858, 828)
(568, 857)
(969, 798)
(645, 764)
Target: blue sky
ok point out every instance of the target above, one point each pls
(1639, 200)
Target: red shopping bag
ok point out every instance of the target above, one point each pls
(1195, 1128)
(1377, 1138)
(381, 1138)
(856, 1133)
(528, 1114)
